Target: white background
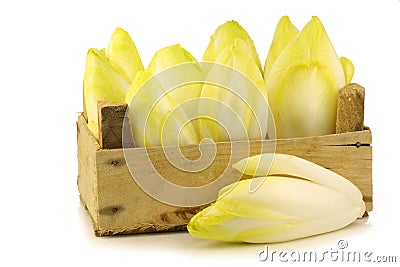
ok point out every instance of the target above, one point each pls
(43, 46)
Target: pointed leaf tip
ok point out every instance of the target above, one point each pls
(225, 36)
(123, 54)
(285, 31)
(348, 69)
(101, 82)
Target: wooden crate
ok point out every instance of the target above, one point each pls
(118, 205)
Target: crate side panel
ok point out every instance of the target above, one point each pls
(87, 148)
(363, 137)
(125, 208)
(350, 161)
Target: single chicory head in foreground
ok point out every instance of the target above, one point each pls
(296, 199)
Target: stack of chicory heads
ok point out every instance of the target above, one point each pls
(157, 97)
(233, 103)
(108, 74)
(296, 199)
(303, 75)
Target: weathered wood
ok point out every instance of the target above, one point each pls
(353, 161)
(111, 119)
(87, 177)
(118, 205)
(350, 109)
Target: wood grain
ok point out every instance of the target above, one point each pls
(118, 205)
(87, 178)
(111, 119)
(350, 109)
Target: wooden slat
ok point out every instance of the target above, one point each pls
(87, 178)
(350, 109)
(125, 208)
(111, 119)
(352, 138)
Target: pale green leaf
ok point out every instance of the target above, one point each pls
(285, 31)
(304, 100)
(237, 104)
(348, 69)
(101, 82)
(224, 36)
(288, 165)
(154, 117)
(184, 72)
(123, 54)
(311, 44)
(283, 208)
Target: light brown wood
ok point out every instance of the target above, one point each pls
(111, 119)
(352, 160)
(350, 109)
(87, 177)
(119, 206)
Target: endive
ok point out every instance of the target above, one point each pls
(141, 97)
(185, 76)
(101, 82)
(155, 112)
(108, 74)
(234, 104)
(285, 31)
(123, 54)
(303, 75)
(224, 36)
(296, 199)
